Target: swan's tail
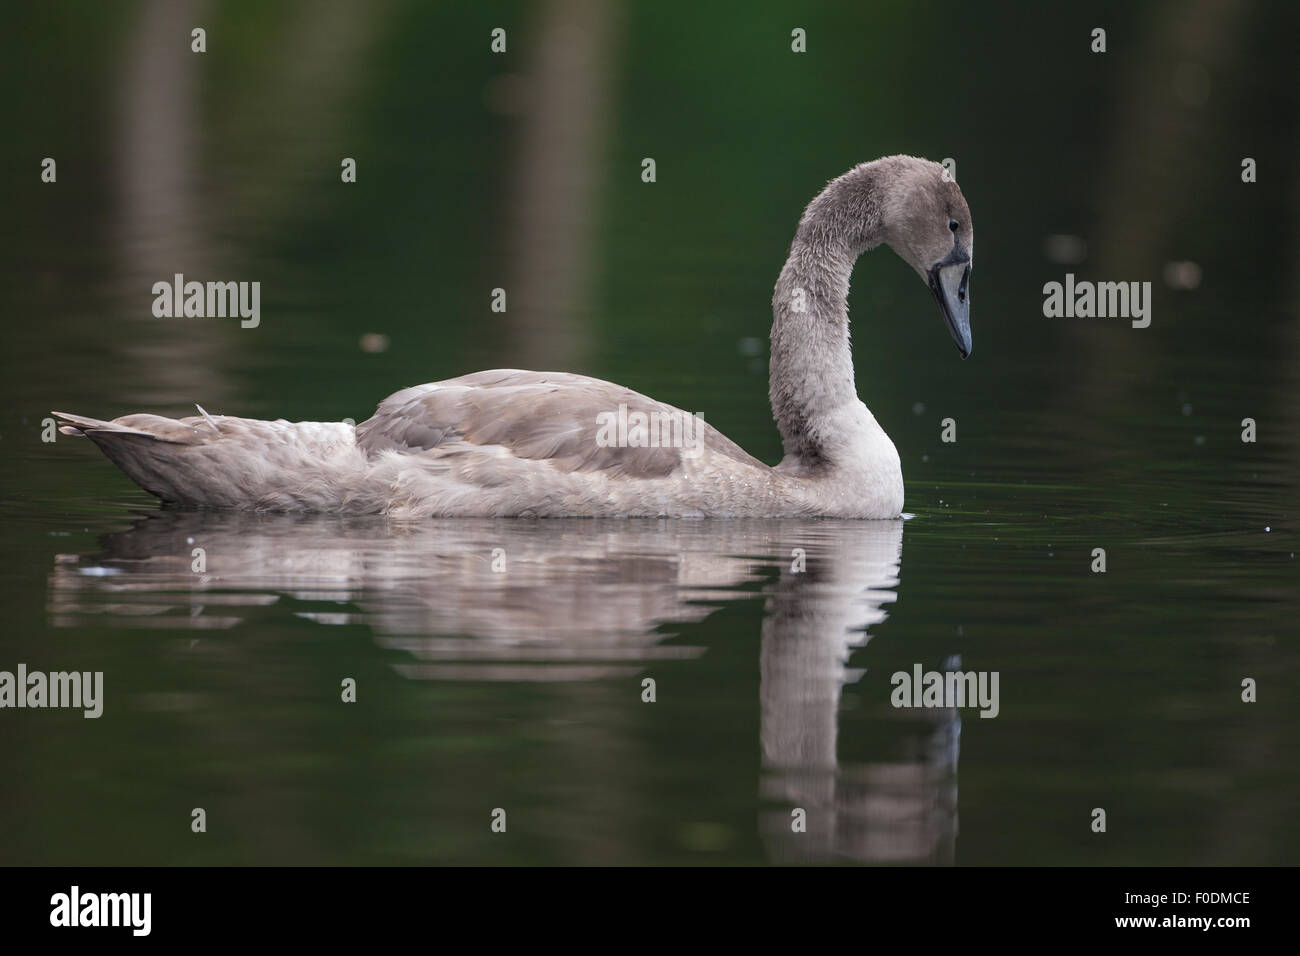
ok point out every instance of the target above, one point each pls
(141, 426)
(226, 462)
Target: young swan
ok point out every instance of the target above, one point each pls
(514, 443)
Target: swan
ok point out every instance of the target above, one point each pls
(517, 443)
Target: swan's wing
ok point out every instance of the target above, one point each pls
(555, 417)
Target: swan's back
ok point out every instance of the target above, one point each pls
(552, 417)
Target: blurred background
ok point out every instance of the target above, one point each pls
(521, 170)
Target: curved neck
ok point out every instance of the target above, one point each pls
(811, 370)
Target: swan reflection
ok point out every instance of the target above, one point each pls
(576, 600)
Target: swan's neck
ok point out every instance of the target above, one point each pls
(811, 374)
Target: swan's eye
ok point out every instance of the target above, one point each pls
(952, 224)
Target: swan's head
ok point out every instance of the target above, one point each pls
(924, 218)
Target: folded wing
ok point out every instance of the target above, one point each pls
(569, 421)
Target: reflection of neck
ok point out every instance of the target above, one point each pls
(814, 620)
(811, 373)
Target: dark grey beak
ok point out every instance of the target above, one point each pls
(950, 283)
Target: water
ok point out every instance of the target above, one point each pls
(521, 688)
(771, 644)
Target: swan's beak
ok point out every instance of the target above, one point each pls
(950, 283)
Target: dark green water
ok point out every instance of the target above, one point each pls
(522, 690)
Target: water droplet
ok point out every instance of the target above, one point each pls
(1182, 275)
(374, 342)
(1065, 249)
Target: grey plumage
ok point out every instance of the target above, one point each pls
(512, 442)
